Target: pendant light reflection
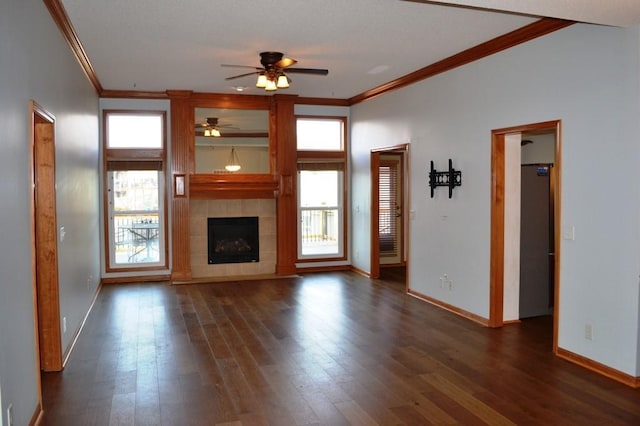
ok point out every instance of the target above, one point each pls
(233, 165)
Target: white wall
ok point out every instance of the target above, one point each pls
(512, 192)
(35, 63)
(587, 76)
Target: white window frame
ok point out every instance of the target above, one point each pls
(325, 159)
(113, 264)
(340, 216)
(136, 156)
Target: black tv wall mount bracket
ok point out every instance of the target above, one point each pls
(450, 178)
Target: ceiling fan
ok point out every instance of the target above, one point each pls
(271, 75)
(212, 127)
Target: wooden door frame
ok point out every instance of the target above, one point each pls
(496, 292)
(403, 150)
(44, 240)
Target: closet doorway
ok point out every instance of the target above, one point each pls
(506, 304)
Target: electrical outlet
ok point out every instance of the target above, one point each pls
(10, 415)
(443, 281)
(588, 332)
(64, 325)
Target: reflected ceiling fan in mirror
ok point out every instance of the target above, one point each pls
(211, 128)
(272, 76)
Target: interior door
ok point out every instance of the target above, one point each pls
(45, 241)
(536, 241)
(390, 224)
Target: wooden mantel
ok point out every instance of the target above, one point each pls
(280, 184)
(249, 186)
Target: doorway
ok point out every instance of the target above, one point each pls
(505, 277)
(388, 213)
(537, 225)
(45, 240)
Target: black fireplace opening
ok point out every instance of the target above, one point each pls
(233, 239)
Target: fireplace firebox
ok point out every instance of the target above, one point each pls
(233, 240)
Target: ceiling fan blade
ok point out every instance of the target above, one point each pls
(240, 66)
(242, 75)
(314, 71)
(285, 62)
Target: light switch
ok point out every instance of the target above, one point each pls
(179, 189)
(569, 233)
(62, 233)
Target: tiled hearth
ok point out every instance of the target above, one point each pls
(200, 210)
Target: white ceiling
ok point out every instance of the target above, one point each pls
(621, 13)
(155, 45)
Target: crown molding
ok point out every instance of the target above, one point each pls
(135, 94)
(521, 35)
(322, 101)
(59, 15)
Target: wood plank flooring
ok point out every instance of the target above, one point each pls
(320, 349)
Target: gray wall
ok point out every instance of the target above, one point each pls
(36, 63)
(587, 76)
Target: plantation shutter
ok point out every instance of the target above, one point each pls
(389, 208)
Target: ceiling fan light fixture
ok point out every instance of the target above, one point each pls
(233, 164)
(262, 81)
(207, 133)
(215, 133)
(271, 76)
(283, 82)
(271, 86)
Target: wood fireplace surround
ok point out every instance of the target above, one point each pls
(279, 185)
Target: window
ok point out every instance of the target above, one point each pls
(319, 134)
(321, 188)
(134, 131)
(135, 195)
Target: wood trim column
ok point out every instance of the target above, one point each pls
(286, 200)
(181, 142)
(496, 283)
(375, 216)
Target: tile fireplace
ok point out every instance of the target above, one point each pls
(202, 211)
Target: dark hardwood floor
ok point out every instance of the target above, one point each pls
(329, 349)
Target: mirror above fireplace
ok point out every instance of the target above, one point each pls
(224, 136)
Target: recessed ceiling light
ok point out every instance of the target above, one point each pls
(378, 69)
(239, 88)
